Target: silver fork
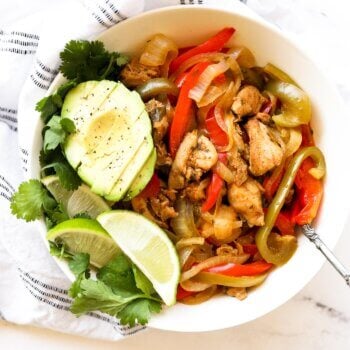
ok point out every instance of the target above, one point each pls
(311, 234)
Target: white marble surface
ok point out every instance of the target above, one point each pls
(317, 318)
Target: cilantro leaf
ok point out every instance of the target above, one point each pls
(59, 250)
(139, 310)
(68, 177)
(56, 131)
(50, 105)
(142, 282)
(118, 275)
(58, 214)
(84, 60)
(80, 263)
(30, 200)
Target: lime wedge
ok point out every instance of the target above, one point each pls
(85, 236)
(82, 200)
(148, 247)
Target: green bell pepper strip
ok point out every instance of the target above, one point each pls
(229, 281)
(278, 74)
(157, 86)
(296, 105)
(282, 250)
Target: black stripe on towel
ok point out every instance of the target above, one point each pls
(25, 35)
(107, 15)
(46, 68)
(115, 10)
(4, 195)
(4, 187)
(4, 180)
(17, 51)
(19, 42)
(39, 84)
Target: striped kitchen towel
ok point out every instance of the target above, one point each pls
(32, 288)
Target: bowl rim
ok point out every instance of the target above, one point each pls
(237, 12)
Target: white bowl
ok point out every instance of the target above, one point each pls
(189, 26)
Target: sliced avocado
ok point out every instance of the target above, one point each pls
(143, 177)
(113, 138)
(113, 156)
(129, 174)
(81, 102)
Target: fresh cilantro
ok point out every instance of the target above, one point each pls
(56, 131)
(115, 291)
(57, 215)
(50, 105)
(30, 200)
(84, 60)
(140, 310)
(79, 264)
(59, 250)
(142, 282)
(68, 177)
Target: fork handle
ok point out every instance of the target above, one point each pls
(311, 234)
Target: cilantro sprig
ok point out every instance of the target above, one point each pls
(120, 289)
(84, 60)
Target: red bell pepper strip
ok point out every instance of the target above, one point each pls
(214, 187)
(180, 79)
(215, 43)
(220, 79)
(231, 269)
(182, 294)
(216, 134)
(152, 189)
(307, 137)
(285, 224)
(272, 183)
(183, 109)
(250, 249)
(309, 194)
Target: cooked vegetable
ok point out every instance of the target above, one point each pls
(216, 134)
(251, 269)
(281, 249)
(152, 189)
(159, 51)
(214, 187)
(229, 281)
(183, 224)
(183, 108)
(296, 106)
(157, 86)
(278, 74)
(215, 43)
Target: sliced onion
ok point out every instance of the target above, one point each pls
(184, 254)
(200, 297)
(211, 262)
(294, 141)
(205, 79)
(224, 172)
(202, 57)
(212, 94)
(185, 242)
(183, 224)
(192, 286)
(157, 51)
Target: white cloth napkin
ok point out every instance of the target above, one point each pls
(32, 288)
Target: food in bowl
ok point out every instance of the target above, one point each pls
(177, 175)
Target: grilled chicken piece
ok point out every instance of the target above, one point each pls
(263, 117)
(265, 149)
(195, 156)
(238, 292)
(158, 209)
(163, 156)
(246, 201)
(247, 102)
(135, 73)
(195, 191)
(163, 204)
